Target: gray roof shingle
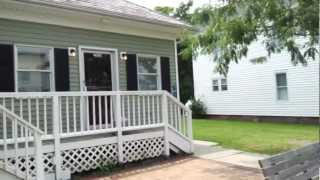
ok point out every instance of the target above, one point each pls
(117, 8)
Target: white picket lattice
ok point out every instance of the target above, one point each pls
(143, 149)
(84, 159)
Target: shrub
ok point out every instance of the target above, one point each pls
(198, 108)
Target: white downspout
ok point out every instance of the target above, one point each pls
(177, 69)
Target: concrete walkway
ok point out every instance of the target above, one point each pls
(212, 151)
(210, 162)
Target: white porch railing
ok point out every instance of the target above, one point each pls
(16, 157)
(61, 115)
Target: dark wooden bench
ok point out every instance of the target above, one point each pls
(300, 164)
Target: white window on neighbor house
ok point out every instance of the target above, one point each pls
(282, 86)
(148, 69)
(33, 68)
(224, 85)
(215, 85)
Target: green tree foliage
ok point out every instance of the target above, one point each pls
(226, 32)
(184, 60)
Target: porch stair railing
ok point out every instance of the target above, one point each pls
(58, 117)
(19, 139)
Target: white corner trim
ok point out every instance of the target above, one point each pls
(177, 69)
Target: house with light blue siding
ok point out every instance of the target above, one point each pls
(87, 83)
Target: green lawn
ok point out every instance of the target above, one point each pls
(266, 138)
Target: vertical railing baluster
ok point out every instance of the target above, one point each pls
(12, 110)
(74, 114)
(67, 111)
(29, 110)
(148, 102)
(144, 109)
(87, 113)
(94, 112)
(128, 110)
(45, 119)
(106, 112)
(139, 111)
(100, 112)
(60, 118)
(15, 137)
(158, 109)
(112, 113)
(4, 116)
(134, 109)
(122, 111)
(81, 112)
(153, 111)
(37, 113)
(21, 115)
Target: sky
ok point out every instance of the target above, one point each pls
(151, 4)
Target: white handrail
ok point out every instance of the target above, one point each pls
(26, 130)
(22, 121)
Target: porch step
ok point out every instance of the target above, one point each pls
(180, 142)
(5, 175)
(175, 149)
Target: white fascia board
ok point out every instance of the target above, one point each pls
(55, 16)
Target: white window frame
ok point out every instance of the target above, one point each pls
(216, 85)
(158, 73)
(51, 65)
(277, 87)
(226, 84)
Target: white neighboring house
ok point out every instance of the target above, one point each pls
(273, 88)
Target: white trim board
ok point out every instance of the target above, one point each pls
(56, 16)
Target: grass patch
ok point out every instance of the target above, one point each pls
(265, 138)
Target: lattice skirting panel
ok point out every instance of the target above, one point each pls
(22, 162)
(88, 158)
(84, 159)
(143, 149)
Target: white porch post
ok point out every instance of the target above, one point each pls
(39, 157)
(118, 119)
(177, 69)
(190, 131)
(56, 134)
(165, 122)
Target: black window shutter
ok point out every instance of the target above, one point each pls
(165, 74)
(6, 68)
(61, 66)
(132, 76)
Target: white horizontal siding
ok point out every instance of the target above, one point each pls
(252, 88)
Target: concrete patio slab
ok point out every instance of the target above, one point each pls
(188, 168)
(206, 151)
